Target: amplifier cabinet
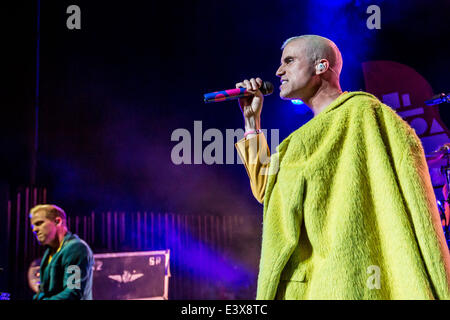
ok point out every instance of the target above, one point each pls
(142, 275)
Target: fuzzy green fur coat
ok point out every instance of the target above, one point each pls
(350, 212)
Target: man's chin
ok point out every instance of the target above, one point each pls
(286, 97)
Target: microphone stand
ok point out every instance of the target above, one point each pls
(438, 99)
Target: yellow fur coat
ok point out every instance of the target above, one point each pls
(349, 210)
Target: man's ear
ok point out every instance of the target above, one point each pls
(58, 221)
(322, 66)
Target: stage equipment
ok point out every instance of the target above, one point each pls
(440, 159)
(438, 99)
(131, 276)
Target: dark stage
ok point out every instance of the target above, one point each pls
(95, 103)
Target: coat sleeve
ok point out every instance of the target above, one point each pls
(78, 264)
(415, 182)
(255, 155)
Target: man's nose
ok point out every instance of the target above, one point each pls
(279, 72)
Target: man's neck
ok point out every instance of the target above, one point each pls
(323, 97)
(58, 240)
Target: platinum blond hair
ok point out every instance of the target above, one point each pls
(317, 48)
(51, 212)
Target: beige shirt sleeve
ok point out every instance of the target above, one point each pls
(255, 155)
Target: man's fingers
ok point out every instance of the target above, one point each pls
(255, 85)
(247, 84)
(244, 84)
(251, 85)
(259, 82)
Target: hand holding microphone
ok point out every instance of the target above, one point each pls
(251, 96)
(224, 95)
(251, 106)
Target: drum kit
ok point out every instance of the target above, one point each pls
(439, 165)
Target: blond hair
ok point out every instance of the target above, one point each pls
(51, 212)
(318, 47)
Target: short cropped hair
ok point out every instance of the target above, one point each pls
(318, 47)
(51, 211)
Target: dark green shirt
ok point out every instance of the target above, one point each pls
(69, 274)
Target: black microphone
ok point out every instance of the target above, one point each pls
(438, 99)
(231, 94)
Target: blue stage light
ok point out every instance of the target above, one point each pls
(297, 102)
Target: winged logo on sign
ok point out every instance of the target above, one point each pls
(125, 277)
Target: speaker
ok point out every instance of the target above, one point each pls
(142, 275)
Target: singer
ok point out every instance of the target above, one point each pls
(349, 209)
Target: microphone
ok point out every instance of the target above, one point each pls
(438, 99)
(232, 94)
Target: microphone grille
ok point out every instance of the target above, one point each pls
(266, 88)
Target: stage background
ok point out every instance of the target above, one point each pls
(111, 94)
